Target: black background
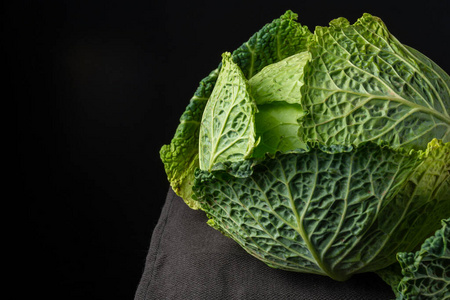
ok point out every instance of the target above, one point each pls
(99, 87)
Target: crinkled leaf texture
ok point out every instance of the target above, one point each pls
(227, 131)
(333, 214)
(281, 81)
(364, 85)
(427, 271)
(274, 42)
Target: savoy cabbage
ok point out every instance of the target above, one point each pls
(325, 152)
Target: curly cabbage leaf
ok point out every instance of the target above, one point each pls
(331, 214)
(423, 274)
(364, 85)
(227, 131)
(427, 271)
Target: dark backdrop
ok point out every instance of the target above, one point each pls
(99, 87)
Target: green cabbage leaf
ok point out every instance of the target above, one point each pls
(331, 214)
(426, 272)
(227, 132)
(364, 85)
(423, 274)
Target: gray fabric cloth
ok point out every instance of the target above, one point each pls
(188, 259)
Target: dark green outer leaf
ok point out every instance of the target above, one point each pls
(427, 271)
(402, 224)
(330, 214)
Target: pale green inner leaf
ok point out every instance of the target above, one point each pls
(276, 90)
(280, 81)
(277, 127)
(227, 130)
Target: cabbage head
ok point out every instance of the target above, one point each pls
(323, 152)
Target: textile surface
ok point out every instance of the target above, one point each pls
(188, 259)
